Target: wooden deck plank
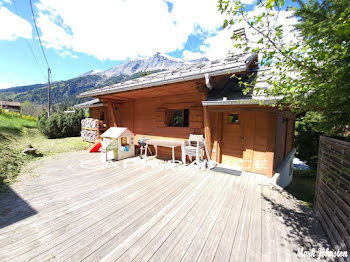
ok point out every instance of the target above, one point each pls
(282, 244)
(56, 221)
(188, 225)
(223, 251)
(46, 243)
(155, 223)
(59, 200)
(95, 193)
(158, 214)
(110, 241)
(202, 236)
(211, 245)
(268, 232)
(178, 226)
(254, 244)
(146, 246)
(186, 240)
(240, 244)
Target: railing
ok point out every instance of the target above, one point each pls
(332, 196)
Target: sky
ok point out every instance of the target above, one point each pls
(82, 35)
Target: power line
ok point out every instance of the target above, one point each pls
(28, 44)
(48, 67)
(37, 32)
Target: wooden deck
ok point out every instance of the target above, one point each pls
(79, 210)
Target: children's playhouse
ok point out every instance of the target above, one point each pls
(118, 143)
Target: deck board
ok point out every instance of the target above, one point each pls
(144, 213)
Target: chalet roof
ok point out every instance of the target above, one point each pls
(231, 93)
(115, 132)
(9, 103)
(232, 64)
(88, 104)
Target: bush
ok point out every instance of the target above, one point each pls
(61, 124)
(17, 115)
(307, 135)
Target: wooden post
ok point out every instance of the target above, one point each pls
(218, 137)
(207, 130)
(131, 104)
(110, 107)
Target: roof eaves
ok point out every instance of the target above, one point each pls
(243, 101)
(170, 78)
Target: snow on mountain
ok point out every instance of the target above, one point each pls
(157, 62)
(91, 72)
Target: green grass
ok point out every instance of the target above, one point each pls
(303, 186)
(12, 124)
(16, 133)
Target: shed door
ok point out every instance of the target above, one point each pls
(232, 139)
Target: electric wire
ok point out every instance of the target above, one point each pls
(37, 32)
(28, 44)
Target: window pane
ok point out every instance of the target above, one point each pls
(233, 118)
(186, 117)
(177, 120)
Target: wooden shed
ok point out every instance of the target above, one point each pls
(205, 99)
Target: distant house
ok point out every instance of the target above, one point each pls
(205, 99)
(11, 106)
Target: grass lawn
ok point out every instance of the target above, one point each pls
(16, 133)
(303, 186)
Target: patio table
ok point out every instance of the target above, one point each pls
(164, 143)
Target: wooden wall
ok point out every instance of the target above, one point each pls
(284, 137)
(259, 142)
(332, 197)
(146, 117)
(249, 144)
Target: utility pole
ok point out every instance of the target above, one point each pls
(48, 90)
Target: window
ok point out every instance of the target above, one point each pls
(124, 140)
(177, 117)
(233, 118)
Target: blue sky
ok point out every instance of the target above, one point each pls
(82, 35)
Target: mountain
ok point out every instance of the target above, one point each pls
(66, 91)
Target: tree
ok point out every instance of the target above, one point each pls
(60, 124)
(28, 108)
(318, 57)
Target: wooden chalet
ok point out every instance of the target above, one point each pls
(204, 99)
(10, 106)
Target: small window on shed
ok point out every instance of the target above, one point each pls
(177, 117)
(233, 118)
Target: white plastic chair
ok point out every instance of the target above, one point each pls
(194, 146)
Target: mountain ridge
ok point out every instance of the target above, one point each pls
(65, 91)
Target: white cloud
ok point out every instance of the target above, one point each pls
(66, 53)
(116, 30)
(13, 26)
(221, 44)
(188, 55)
(8, 1)
(5, 85)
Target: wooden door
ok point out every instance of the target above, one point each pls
(259, 142)
(232, 139)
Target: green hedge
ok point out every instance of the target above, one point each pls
(61, 124)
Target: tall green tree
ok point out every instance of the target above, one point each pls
(312, 70)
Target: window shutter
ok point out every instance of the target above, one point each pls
(160, 120)
(196, 118)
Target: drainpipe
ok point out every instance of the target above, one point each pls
(207, 81)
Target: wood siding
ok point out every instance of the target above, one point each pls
(248, 144)
(332, 197)
(232, 140)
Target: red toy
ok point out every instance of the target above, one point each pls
(96, 148)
